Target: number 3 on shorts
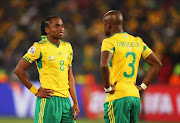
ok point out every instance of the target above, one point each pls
(130, 64)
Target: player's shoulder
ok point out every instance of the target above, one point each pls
(135, 38)
(109, 39)
(138, 38)
(39, 44)
(43, 41)
(65, 43)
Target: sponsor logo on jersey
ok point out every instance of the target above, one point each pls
(51, 58)
(32, 49)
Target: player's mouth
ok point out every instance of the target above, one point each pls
(61, 33)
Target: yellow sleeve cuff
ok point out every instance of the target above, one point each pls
(147, 54)
(33, 90)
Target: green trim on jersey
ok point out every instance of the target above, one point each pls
(117, 33)
(113, 49)
(54, 44)
(43, 36)
(39, 61)
(27, 59)
(42, 42)
(110, 63)
(144, 48)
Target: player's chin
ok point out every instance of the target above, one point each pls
(60, 36)
(107, 33)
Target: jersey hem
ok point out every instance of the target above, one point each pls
(147, 55)
(120, 98)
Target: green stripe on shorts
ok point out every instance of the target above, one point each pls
(123, 110)
(53, 110)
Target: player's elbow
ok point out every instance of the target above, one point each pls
(17, 70)
(103, 65)
(158, 65)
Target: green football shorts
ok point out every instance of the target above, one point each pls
(53, 110)
(123, 110)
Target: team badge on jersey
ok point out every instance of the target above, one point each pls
(32, 49)
(68, 58)
(51, 58)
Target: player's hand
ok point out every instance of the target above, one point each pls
(75, 111)
(139, 87)
(113, 88)
(44, 93)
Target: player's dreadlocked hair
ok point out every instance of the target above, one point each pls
(45, 23)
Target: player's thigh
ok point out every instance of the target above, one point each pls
(117, 111)
(47, 111)
(67, 114)
(107, 112)
(135, 110)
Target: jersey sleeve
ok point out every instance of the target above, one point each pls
(146, 51)
(71, 56)
(107, 46)
(33, 53)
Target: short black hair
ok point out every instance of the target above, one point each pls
(45, 23)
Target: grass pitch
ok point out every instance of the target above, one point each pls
(80, 120)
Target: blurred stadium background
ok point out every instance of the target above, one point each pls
(157, 22)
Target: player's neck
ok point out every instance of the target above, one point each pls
(53, 40)
(117, 31)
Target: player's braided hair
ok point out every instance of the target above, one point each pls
(45, 23)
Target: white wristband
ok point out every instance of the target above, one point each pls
(143, 86)
(108, 89)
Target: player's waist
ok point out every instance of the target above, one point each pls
(125, 84)
(122, 93)
(61, 92)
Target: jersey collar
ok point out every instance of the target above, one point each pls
(118, 33)
(53, 43)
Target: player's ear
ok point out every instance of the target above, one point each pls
(108, 25)
(47, 30)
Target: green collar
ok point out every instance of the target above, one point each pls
(54, 44)
(118, 33)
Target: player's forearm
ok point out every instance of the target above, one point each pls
(155, 65)
(104, 71)
(72, 90)
(23, 77)
(153, 70)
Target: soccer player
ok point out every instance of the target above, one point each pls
(120, 55)
(53, 58)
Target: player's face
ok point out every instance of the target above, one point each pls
(106, 28)
(56, 28)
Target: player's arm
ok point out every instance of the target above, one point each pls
(72, 90)
(20, 72)
(155, 65)
(106, 57)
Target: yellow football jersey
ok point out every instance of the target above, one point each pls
(127, 51)
(52, 63)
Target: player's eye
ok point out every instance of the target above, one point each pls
(62, 25)
(57, 25)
